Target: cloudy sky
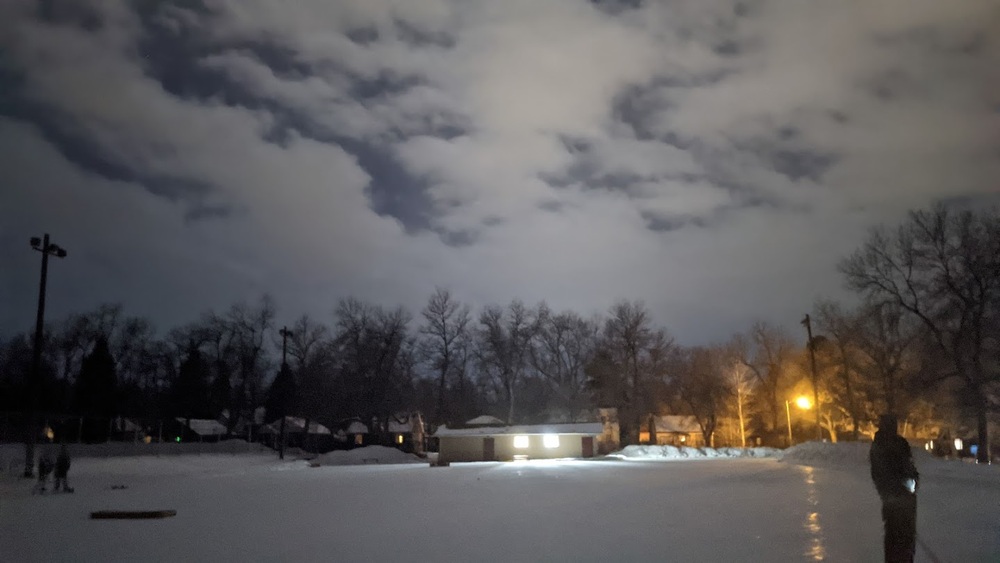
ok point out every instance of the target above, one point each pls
(712, 158)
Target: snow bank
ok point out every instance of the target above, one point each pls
(825, 454)
(854, 455)
(366, 455)
(683, 452)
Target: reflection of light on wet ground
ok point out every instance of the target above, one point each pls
(816, 549)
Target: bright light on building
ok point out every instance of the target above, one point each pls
(958, 444)
(803, 403)
(399, 438)
(550, 441)
(520, 442)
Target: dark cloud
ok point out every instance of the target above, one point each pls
(723, 152)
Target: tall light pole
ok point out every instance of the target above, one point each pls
(811, 344)
(788, 417)
(47, 249)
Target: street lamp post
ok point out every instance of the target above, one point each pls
(47, 249)
(811, 344)
(788, 416)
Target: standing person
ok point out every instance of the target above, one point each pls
(895, 478)
(44, 468)
(62, 469)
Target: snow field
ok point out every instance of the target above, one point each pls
(254, 507)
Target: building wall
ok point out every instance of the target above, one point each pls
(470, 448)
(460, 448)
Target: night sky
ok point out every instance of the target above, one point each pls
(713, 158)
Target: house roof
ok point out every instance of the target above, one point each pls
(401, 427)
(583, 428)
(677, 424)
(485, 420)
(357, 428)
(204, 426)
(126, 425)
(295, 424)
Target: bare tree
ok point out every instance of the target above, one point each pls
(309, 345)
(564, 344)
(443, 336)
(503, 348)
(741, 384)
(769, 353)
(886, 339)
(943, 268)
(244, 331)
(375, 361)
(700, 383)
(629, 366)
(843, 332)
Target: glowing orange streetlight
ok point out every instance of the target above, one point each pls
(803, 403)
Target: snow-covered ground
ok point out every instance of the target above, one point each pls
(252, 507)
(368, 455)
(682, 452)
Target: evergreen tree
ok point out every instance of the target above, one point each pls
(95, 391)
(220, 395)
(282, 397)
(190, 393)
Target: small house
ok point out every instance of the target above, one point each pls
(508, 443)
(295, 433)
(200, 430)
(406, 430)
(673, 430)
(357, 433)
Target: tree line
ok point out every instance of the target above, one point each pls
(920, 341)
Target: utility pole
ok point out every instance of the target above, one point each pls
(811, 344)
(46, 248)
(285, 333)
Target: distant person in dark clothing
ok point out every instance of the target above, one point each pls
(62, 469)
(895, 478)
(45, 466)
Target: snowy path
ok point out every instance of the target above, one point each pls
(252, 508)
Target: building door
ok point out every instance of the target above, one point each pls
(488, 454)
(588, 446)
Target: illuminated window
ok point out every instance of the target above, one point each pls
(520, 442)
(399, 438)
(550, 441)
(359, 439)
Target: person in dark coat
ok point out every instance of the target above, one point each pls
(896, 480)
(62, 469)
(45, 466)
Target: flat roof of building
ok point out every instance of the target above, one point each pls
(581, 428)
